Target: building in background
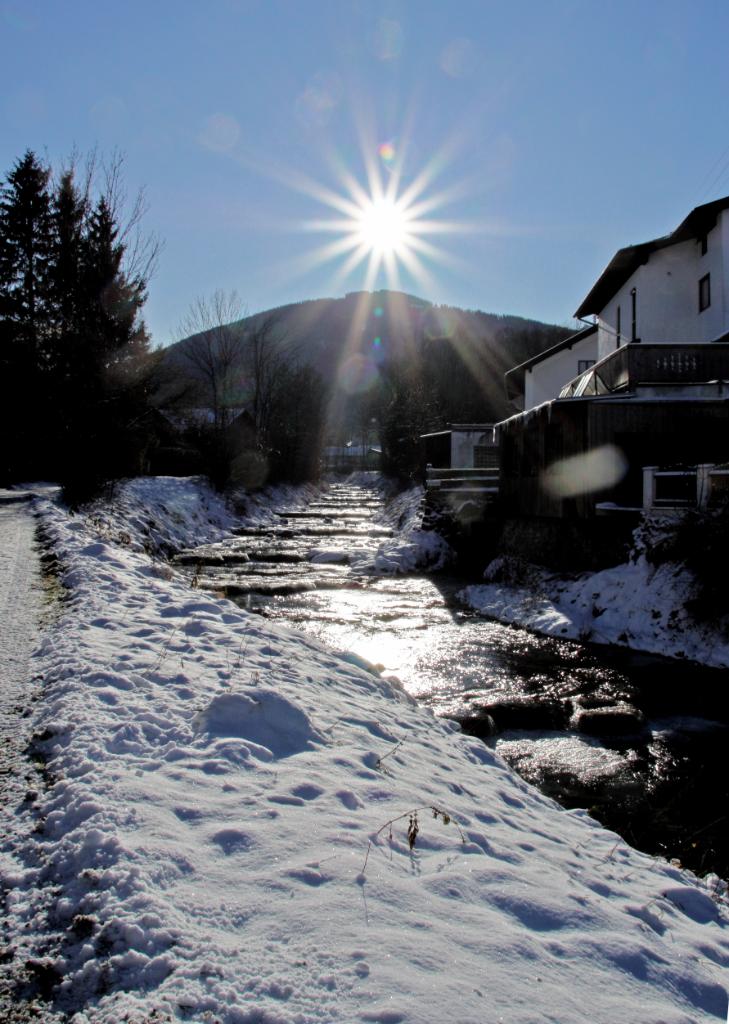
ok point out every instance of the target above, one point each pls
(644, 386)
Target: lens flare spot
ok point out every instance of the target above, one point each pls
(582, 474)
(316, 104)
(16, 16)
(388, 39)
(387, 153)
(441, 325)
(357, 374)
(220, 133)
(377, 343)
(459, 58)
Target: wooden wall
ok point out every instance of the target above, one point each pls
(649, 432)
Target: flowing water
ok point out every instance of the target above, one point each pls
(639, 740)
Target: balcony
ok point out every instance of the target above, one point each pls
(483, 481)
(636, 364)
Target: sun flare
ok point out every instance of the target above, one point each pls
(383, 227)
(383, 221)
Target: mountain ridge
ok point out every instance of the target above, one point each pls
(356, 340)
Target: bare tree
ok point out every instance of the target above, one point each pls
(255, 366)
(213, 348)
(267, 358)
(141, 248)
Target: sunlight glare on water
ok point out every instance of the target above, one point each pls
(582, 756)
(405, 626)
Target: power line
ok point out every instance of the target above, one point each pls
(722, 162)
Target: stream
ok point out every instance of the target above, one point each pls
(638, 740)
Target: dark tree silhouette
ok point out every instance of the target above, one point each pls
(213, 352)
(24, 306)
(411, 407)
(106, 391)
(296, 423)
(73, 346)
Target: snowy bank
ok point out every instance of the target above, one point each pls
(639, 605)
(411, 548)
(215, 783)
(161, 514)
(260, 507)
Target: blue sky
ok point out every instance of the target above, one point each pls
(550, 132)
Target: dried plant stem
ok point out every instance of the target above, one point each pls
(388, 754)
(413, 826)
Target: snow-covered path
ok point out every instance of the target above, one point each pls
(20, 606)
(21, 602)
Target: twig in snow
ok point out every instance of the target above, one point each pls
(378, 765)
(413, 828)
(163, 653)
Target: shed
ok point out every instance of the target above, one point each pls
(461, 446)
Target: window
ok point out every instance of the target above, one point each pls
(633, 308)
(585, 385)
(617, 329)
(703, 245)
(704, 292)
(584, 364)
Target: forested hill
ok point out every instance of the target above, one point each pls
(370, 335)
(323, 327)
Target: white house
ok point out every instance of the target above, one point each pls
(646, 383)
(672, 290)
(542, 377)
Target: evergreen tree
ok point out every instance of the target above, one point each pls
(25, 251)
(296, 425)
(68, 217)
(24, 306)
(68, 220)
(113, 302)
(73, 346)
(412, 408)
(107, 386)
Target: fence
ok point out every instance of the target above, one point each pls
(481, 481)
(699, 486)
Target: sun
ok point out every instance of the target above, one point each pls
(382, 222)
(385, 232)
(382, 226)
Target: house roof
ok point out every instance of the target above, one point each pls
(514, 378)
(460, 428)
(626, 261)
(350, 451)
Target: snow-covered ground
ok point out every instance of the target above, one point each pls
(215, 845)
(20, 602)
(636, 604)
(161, 515)
(261, 506)
(411, 547)
(22, 607)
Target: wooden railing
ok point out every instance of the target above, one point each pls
(687, 487)
(447, 480)
(637, 363)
